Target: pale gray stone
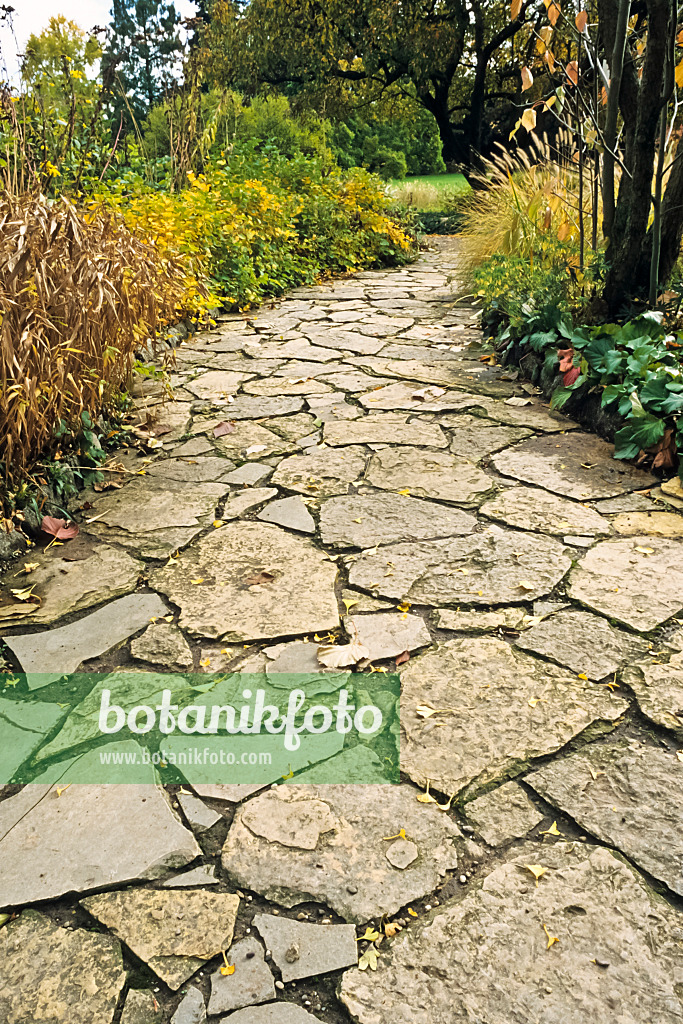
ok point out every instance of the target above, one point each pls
(197, 813)
(278, 386)
(52, 974)
(299, 843)
(385, 428)
(324, 407)
(628, 795)
(583, 642)
(529, 508)
(163, 644)
(480, 622)
(497, 710)
(273, 1013)
(658, 686)
(299, 598)
(141, 507)
(161, 927)
(323, 473)
(492, 567)
(388, 634)
(249, 475)
(55, 652)
(625, 503)
(24, 726)
(427, 474)
(485, 956)
(139, 1008)
(303, 950)
(246, 407)
(579, 466)
(238, 504)
(293, 428)
(637, 580)
(365, 520)
(504, 814)
(216, 383)
(414, 396)
(90, 837)
(250, 983)
(290, 513)
(355, 601)
(474, 437)
(347, 341)
(300, 370)
(155, 543)
(248, 440)
(205, 875)
(401, 853)
(190, 450)
(201, 469)
(191, 1009)
(535, 416)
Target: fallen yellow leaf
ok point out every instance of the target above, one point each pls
(371, 935)
(537, 870)
(552, 831)
(552, 939)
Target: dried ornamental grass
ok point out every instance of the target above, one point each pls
(78, 293)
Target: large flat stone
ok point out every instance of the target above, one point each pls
(323, 473)
(90, 837)
(290, 513)
(495, 567)
(485, 957)
(250, 983)
(174, 932)
(216, 383)
(638, 580)
(651, 524)
(628, 795)
(24, 725)
(388, 634)
(385, 428)
(141, 507)
(278, 386)
(579, 466)
(299, 843)
(248, 440)
(302, 950)
(273, 1013)
(191, 1009)
(535, 416)
(473, 437)
(583, 642)
(504, 814)
(163, 644)
(497, 710)
(658, 686)
(55, 652)
(412, 396)
(52, 974)
(202, 469)
(238, 599)
(365, 520)
(253, 407)
(530, 508)
(426, 474)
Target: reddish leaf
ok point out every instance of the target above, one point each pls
(58, 528)
(581, 20)
(515, 8)
(527, 79)
(223, 428)
(572, 72)
(553, 12)
(570, 376)
(566, 357)
(402, 658)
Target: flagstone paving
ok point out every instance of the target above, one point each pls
(344, 468)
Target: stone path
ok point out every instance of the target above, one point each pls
(347, 463)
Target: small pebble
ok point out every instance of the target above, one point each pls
(279, 984)
(302, 916)
(463, 879)
(428, 906)
(251, 955)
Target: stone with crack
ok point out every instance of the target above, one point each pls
(303, 950)
(366, 520)
(503, 814)
(428, 474)
(251, 981)
(658, 687)
(385, 428)
(583, 642)
(163, 644)
(530, 508)
(322, 473)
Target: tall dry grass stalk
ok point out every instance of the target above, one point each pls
(78, 293)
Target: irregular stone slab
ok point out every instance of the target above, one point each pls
(52, 974)
(485, 957)
(325, 408)
(278, 840)
(202, 469)
(174, 932)
(139, 1008)
(499, 567)
(443, 374)
(236, 600)
(250, 983)
(205, 875)
(583, 642)
(273, 1013)
(163, 644)
(365, 520)
(530, 508)
(429, 475)
(247, 407)
(302, 950)
(354, 380)
(56, 652)
(300, 370)
(293, 428)
(140, 507)
(66, 587)
(250, 474)
(413, 396)
(360, 602)
(638, 580)
(190, 450)
(191, 1009)
(628, 795)
(322, 473)
(223, 791)
(388, 634)
(535, 416)
(480, 622)
(474, 437)
(24, 724)
(655, 524)
(347, 341)
(385, 429)
(357, 765)
(625, 503)
(155, 544)
(499, 709)
(238, 504)
(658, 687)
(216, 383)
(579, 466)
(247, 441)
(290, 513)
(287, 386)
(90, 837)
(504, 814)
(197, 813)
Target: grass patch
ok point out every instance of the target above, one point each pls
(430, 192)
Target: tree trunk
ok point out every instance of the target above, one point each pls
(455, 146)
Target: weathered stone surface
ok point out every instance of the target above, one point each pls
(485, 957)
(163, 644)
(238, 600)
(474, 437)
(290, 513)
(302, 950)
(530, 508)
(503, 814)
(413, 396)
(385, 428)
(204, 875)
(499, 567)
(655, 524)
(197, 813)
(253, 407)
(348, 341)
(658, 686)
(248, 440)
(579, 466)
(23, 726)
(250, 983)
(191, 1009)
(66, 587)
(154, 544)
(480, 622)
(216, 383)
(238, 504)
(388, 634)
(92, 836)
(354, 380)
(250, 474)
(429, 475)
(323, 473)
(365, 520)
(498, 710)
(536, 416)
(293, 428)
(583, 642)
(190, 450)
(140, 507)
(223, 791)
(52, 974)
(191, 470)
(278, 840)
(139, 1008)
(273, 1013)
(355, 765)
(633, 502)
(278, 386)
(638, 580)
(174, 932)
(356, 601)
(628, 795)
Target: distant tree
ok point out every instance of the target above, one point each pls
(60, 61)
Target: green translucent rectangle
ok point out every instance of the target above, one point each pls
(236, 729)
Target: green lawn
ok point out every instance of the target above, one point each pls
(427, 191)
